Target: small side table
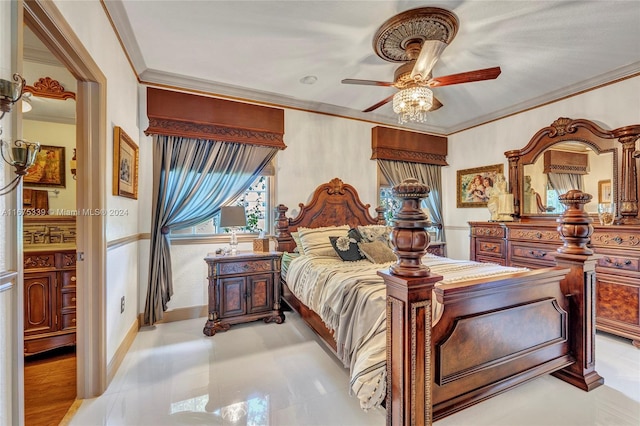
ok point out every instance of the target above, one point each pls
(243, 287)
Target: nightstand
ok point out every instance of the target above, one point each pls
(243, 287)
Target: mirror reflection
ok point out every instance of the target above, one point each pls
(565, 166)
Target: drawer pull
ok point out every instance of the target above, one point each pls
(538, 235)
(246, 266)
(73, 320)
(489, 248)
(73, 299)
(73, 278)
(538, 254)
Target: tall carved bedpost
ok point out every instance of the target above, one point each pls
(575, 228)
(283, 235)
(409, 284)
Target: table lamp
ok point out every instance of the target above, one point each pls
(233, 217)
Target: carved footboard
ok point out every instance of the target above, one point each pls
(491, 334)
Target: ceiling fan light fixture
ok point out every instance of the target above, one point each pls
(412, 104)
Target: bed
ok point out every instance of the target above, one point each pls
(426, 336)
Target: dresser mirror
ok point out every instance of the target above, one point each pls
(570, 149)
(571, 164)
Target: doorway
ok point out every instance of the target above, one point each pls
(45, 21)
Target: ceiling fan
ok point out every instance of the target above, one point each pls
(418, 37)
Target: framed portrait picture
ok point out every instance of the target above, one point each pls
(474, 186)
(48, 168)
(604, 191)
(125, 165)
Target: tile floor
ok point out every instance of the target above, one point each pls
(269, 374)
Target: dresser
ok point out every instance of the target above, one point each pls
(243, 287)
(49, 299)
(533, 244)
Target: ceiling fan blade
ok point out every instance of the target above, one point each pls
(429, 54)
(465, 77)
(366, 82)
(379, 104)
(436, 104)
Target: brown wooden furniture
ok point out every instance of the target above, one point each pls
(436, 247)
(487, 320)
(242, 288)
(49, 300)
(533, 244)
(532, 240)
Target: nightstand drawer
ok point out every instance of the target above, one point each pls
(249, 266)
(68, 320)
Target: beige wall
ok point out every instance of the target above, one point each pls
(611, 106)
(90, 23)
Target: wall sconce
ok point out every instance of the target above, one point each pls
(10, 93)
(21, 155)
(73, 164)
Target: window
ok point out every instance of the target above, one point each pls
(392, 205)
(553, 204)
(257, 204)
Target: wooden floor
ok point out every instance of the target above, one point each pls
(49, 386)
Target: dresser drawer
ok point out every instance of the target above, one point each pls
(488, 231)
(66, 259)
(615, 239)
(540, 254)
(69, 300)
(39, 260)
(68, 279)
(68, 320)
(249, 266)
(536, 235)
(612, 262)
(486, 247)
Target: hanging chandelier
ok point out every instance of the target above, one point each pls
(412, 104)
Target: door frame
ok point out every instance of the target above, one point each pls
(46, 21)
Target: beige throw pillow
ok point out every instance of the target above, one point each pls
(377, 252)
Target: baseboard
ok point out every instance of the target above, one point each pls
(179, 314)
(122, 350)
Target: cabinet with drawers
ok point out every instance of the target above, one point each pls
(242, 288)
(534, 244)
(49, 300)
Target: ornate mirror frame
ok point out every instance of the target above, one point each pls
(621, 142)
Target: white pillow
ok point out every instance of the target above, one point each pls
(316, 242)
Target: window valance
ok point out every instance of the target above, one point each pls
(200, 117)
(566, 162)
(402, 145)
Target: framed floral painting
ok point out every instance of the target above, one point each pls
(125, 164)
(474, 186)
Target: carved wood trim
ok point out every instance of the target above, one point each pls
(46, 87)
(200, 117)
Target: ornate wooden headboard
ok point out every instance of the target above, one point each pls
(333, 204)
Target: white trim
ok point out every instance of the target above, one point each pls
(7, 279)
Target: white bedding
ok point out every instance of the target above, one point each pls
(350, 298)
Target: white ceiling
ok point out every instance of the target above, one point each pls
(260, 50)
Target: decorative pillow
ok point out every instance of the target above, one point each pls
(372, 233)
(347, 248)
(377, 252)
(296, 238)
(315, 241)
